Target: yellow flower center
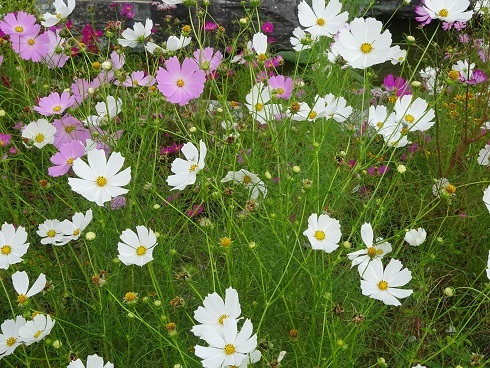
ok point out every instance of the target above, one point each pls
(229, 349)
(443, 13)
(379, 124)
(21, 299)
(295, 106)
(70, 128)
(247, 179)
(261, 57)
(371, 252)
(141, 250)
(259, 106)
(453, 74)
(70, 161)
(205, 65)
(193, 168)
(38, 333)
(409, 118)
(280, 91)
(19, 29)
(319, 235)
(6, 249)
(382, 285)
(57, 108)
(11, 341)
(101, 181)
(130, 297)
(135, 82)
(51, 233)
(320, 22)
(312, 115)
(366, 48)
(180, 83)
(379, 252)
(222, 319)
(30, 41)
(76, 232)
(451, 189)
(58, 15)
(225, 242)
(186, 28)
(96, 65)
(39, 138)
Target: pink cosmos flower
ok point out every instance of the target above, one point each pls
(180, 85)
(5, 139)
(31, 47)
(207, 59)
(55, 56)
(54, 104)
(63, 159)
(282, 86)
(267, 27)
(79, 88)
(137, 79)
(477, 77)
(68, 129)
(23, 24)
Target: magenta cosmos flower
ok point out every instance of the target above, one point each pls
(23, 24)
(54, 103)
(180, 85)
(63, 159)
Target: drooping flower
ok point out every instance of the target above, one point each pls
(175, 43)
(415, 237)
(321, 19)
(133, 37)
(364, 44)
(37, 329)
(230, 348)
(384, 284)
(93, 361)
(180, 84)
(20, 282)
(215, 311)
(62, 11)
(74, 228)
(9, 338)
(39, 133)
(54, 104)
(12, 245)
(448, 10)
(323, 232)
(249, 180)
(137, 248)
(443, 189)
(185, 171)
(374, 251)
(99, 181)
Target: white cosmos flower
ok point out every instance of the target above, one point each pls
(215, 311)
(443, 188)
(106, 111)
(323, 232)
(249, 180)
(175, 43)
(364, 44)
(12, 245)
(20, 281)
(231, 348)
(62, 11)
(37, 329)
(93, 361)
(486, 198)
(50, 233)
(380, 120)
(321, 19)
(251, 358)
(39, 133)
(464, 68)
(415, 115)
(301, 40)
(99, 181)
(137, 248)
(336, 108)
(373, 252)
(415, 236)
(299, 111)
(259, 45)
(448, 10)
(139, 33)
(397, 55)
(185, 171)
(484, 156)
(9, 338)
(488, 265)
(73, 229)
(257, 103)
(383, 285)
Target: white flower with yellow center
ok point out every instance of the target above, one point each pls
(321, 19)
(448, 10)
(414, 115)
(214, 312)
(9, 338)
(383, 285)
(336, 108)
(185, 171)
(415, 237)
(136, 248)
(257, 102)
(50, 233)
(38, 133)
(443, 189)
(12, 245)
(93, 361)
(364, 44)
(259, 45)
(37, 329)
(20, 281)
(301, 40)
(99, 181)
(133, 37)
(74, 228)
(373, 252)
(249, 180)
(488, 265)
(323, 232)
(62, 11)
(229, 349)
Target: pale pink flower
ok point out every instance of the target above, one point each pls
(54, 104)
